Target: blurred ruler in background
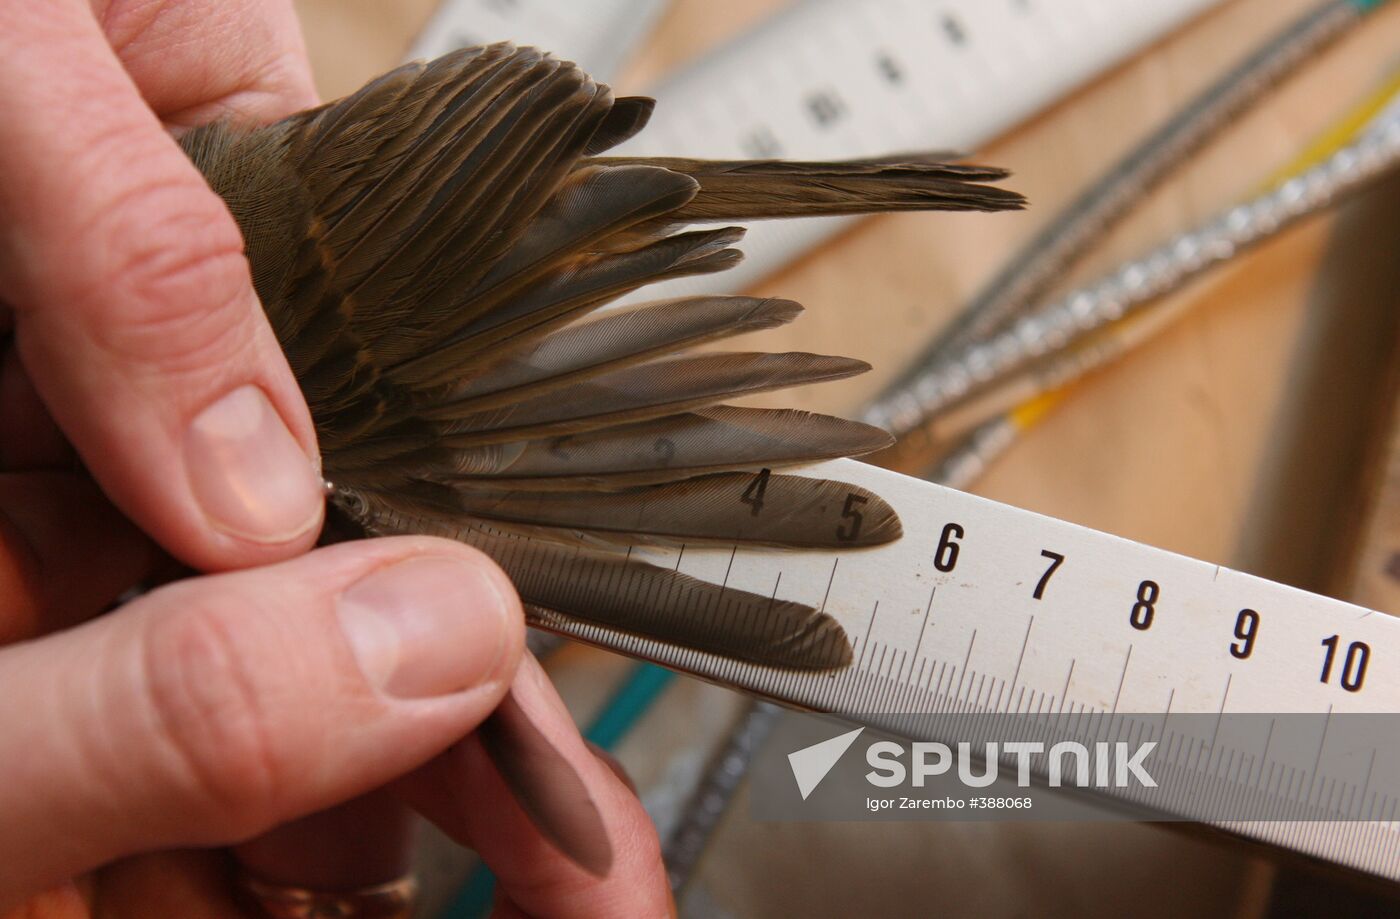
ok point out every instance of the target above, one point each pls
(833, 79)
(598, 35)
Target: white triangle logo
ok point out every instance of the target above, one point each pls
(811, 764)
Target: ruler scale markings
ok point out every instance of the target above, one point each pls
(777, 583)
(942, 672)
(966, 658)
(953, 704)
(958, 704)
(1127, 658)
(1330, 788)
(879, 688)
(928, 615)
(1224, 792)
(974, 698)
(831, 579)
(895, 663)
(904, 670)
(1015, 696)
(1321, 746)
(1296, 779)
(930, 690)
(1263, 758)
(873, 613)
(1064, 693)
(1250, 770)
(996, 706)
(1366, 785)
(1026, 699)
(1220, 715)
(895, 697)
(724, 585)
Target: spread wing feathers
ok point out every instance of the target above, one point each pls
(720, 439)
(622, 339)
(652, 390)
(589, 205)
(429, 251)
(739, 190)
(567, 582)
(559, 298)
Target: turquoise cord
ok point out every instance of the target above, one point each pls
(628, 704)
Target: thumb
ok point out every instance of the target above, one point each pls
(214, 709)
(135, 314)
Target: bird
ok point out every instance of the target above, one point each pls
(434, 253)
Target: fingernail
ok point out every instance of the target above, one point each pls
(426, 626)
(247, 471)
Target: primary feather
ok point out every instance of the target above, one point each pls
(429, 251)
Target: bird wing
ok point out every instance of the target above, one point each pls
(430, 250)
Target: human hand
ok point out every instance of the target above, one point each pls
(214, 710)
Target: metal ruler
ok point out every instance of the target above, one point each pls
(852, 78)
(982, 607)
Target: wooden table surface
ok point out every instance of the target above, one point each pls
(1235, 436)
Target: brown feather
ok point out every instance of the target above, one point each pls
(766, 508)
(618, 340)
(638, 393)
(628, 116)
(738, 190)
(719, 439)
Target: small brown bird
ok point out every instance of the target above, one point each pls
(430, 251)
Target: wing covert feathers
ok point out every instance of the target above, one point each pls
(430, 252)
